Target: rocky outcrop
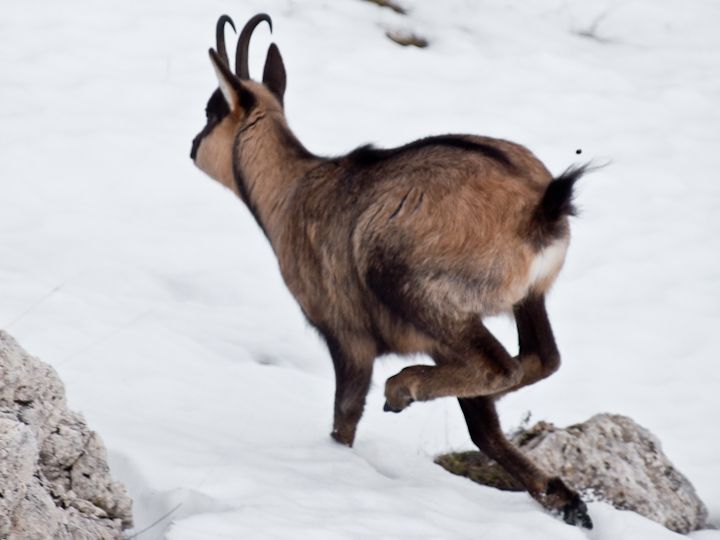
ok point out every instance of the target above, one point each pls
(54, 479)
(608, 458)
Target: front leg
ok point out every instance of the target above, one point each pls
(353, 361)
(475, 364)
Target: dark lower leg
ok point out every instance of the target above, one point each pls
(353, 373)
(351, 388)
(485, 431)
(539, 356)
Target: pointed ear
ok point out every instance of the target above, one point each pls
(236, 95)
(274, 73)
(225, 80)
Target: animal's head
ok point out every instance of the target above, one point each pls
(238, 102)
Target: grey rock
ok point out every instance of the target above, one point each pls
(608, 458)
(55, 482)
(622, 463)
(17, 463)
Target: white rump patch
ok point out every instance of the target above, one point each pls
(548, 262)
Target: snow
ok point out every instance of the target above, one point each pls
(153, 293)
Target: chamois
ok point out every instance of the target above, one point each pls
(403, 250)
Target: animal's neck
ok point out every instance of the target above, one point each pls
(271, 162)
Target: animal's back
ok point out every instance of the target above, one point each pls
(452, 215)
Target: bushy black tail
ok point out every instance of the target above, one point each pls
(557, 202)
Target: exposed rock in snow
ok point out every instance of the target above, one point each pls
(609, 458)
(54, 479)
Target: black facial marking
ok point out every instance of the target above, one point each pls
(368, 155)
(215, 110)
(216, 106)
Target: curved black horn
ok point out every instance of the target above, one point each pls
(241, 59)
(220, 37)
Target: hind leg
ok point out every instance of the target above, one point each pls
(538, 352)
(475, 365)
(551, 492)
(446, 307)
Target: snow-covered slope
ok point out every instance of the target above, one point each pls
(155, 296)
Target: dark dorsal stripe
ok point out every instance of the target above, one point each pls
(368, 155)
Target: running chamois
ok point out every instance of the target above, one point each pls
(403, 250)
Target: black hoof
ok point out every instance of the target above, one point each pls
(558, 498)
(575, 513)
(388, 408)
(343, 439)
